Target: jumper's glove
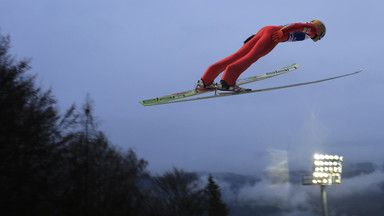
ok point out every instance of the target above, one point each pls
(277, 35)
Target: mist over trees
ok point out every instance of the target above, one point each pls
(62, 164)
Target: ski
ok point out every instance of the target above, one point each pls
(193, 92)
(224, 94)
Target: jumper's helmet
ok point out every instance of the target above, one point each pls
(320, 29)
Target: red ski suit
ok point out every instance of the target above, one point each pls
(258, 46)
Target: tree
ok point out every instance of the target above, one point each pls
(52, 164)
(102, 180)
(30, 140)
(178, 193)
(216, 207)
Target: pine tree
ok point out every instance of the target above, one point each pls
(101, 179)
(216, 207)
(30, 140)
(58, 165)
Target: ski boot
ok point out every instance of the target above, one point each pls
(223, 86)
(200, 86)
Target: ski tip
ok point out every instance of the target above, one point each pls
(358, 71)
(294, 65)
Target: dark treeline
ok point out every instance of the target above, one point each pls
(61, 164)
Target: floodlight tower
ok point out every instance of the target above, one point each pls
(326, 171)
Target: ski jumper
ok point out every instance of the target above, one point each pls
(254, 48)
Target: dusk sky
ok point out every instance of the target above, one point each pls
(124, 51)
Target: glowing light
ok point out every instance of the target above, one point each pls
(326, 169)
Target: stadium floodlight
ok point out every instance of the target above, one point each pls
(327, 170)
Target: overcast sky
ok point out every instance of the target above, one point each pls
(124, 51)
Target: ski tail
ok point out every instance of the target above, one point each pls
(159, 100)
